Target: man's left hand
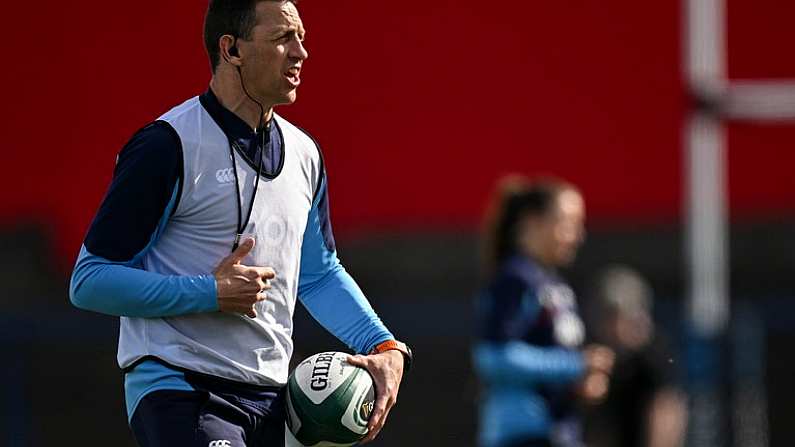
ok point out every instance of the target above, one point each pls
(386, 369)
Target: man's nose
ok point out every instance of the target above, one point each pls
(298, 51)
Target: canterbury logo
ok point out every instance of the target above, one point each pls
(221, 443)
(224, 176)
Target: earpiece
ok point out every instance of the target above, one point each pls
(232, 51)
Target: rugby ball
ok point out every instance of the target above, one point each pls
(329, 401)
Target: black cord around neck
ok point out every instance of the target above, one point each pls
(261, 128)
(241, 225)
(261, 120)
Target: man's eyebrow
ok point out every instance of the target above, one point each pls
(279, 29)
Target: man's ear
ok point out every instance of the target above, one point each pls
(227, 44)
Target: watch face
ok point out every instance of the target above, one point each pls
(408, 359)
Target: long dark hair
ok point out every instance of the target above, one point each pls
(514, 198)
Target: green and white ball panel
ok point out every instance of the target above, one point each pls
(329, 401)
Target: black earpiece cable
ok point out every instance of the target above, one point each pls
(241, 225)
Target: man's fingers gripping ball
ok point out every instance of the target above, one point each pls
(386, 382)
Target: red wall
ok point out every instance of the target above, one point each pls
(419, 106)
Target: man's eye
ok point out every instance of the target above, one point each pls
(286, 37)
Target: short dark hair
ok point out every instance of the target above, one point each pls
(234, 17)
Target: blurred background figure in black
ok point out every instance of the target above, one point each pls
(643, 407)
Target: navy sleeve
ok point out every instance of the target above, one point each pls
(148, 169)
(508, 308)
(108, 276)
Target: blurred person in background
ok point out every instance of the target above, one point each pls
(528, 352)
(643, 407)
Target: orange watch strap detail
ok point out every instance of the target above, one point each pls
(390, 345)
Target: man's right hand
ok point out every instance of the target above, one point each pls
(240, 287)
